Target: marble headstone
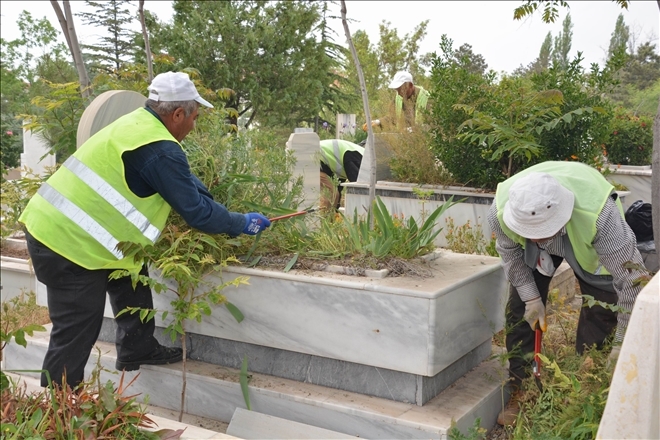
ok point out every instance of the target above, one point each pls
(35, 154)
(104, 109)
(345, 125)
(307, 148)
(384, 152)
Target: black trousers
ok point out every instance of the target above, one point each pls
(595, 325)
(76, 300)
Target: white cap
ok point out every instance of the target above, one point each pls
(399, 79)
(538, 206)
(175, 86)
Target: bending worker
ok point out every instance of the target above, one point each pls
(545, 214)
(340, 159)
(119, 186)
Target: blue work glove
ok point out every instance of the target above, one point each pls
(255, 223)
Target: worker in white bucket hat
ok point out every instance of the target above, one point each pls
(548, 213)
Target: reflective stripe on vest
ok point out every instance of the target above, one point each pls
(338, 159)
(81, 218)
(112, 196)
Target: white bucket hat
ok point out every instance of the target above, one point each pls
(399, 79)
(538, 206)
(175, 86)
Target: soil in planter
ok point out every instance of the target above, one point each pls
(7, 251)
(396, 266)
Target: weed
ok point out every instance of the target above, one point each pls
(91, 410)
(476, 432)
(467, 239)
(575, 386)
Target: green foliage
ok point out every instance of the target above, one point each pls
(277, 56)
(11, 145)
(184, 257)
(590, 301)
(243, 171)
(451, 84)
(631, 139)
(56, 117)
(575, 387)
(13, 326)
(620, 37)
(563, 43)
(92, 410)
(550, 8)
(514, 135)
(413, 161)
(244, 378)
(572, 402)
(109, 54)
(476, 432)
(466, 239)
(581, 137)
(15, 196)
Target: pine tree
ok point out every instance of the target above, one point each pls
(545, 53)
(563, 42)
(115, 44)
(620, 37)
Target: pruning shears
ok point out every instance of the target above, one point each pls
(536, 363)
(293, 214)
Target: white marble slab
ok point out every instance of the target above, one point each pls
(400, 200)
(637, 180)
(307, 149)
(412, 325)
(255, 425)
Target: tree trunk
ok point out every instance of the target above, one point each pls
(147, 47)
(367, 114)
(69, 30)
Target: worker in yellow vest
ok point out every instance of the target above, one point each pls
(556, 211)
(119, 186)
(410, 102)
(340, 159)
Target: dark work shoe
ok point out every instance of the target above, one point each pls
(160, 356)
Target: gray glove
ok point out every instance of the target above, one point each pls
(535, 312)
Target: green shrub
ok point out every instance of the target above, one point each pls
(581, 138)
(631, 139)
(451, 84)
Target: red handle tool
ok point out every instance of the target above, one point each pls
(536, 363)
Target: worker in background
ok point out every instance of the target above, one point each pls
(410, 101)
(548, 213)
(340, 159)
(119, 186)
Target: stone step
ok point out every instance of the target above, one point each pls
(247, 424)
(214, 392)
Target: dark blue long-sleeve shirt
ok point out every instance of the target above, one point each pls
(162, 167)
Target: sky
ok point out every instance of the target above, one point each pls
(488, 26)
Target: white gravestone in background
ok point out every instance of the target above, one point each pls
(345, 125)
(35, 154)
(105, 109)
(307, 150)
(383, 155)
